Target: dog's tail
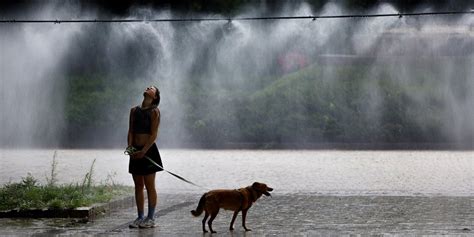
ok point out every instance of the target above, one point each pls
(200, 206)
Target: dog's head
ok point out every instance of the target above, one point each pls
(261, 188)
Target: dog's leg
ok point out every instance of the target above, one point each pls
(206, 215)
(213, 216)
(244, 214)
(233, 219)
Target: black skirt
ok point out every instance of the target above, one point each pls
(143, 166)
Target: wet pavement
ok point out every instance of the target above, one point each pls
(325, 193)
(281, 215)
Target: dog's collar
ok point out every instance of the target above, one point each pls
(251, 191)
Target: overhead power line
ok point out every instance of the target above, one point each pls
(313, 17)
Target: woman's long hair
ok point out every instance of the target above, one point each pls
(156, 101)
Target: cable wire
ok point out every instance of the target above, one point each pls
(313, 17)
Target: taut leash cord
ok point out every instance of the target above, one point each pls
(131, 150)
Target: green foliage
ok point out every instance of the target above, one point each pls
(26, 196)
(91, 95)
(87, 182)
(51, 181)
(94, 105)
(363, 102)
(30, 194)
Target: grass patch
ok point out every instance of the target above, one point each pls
(30, 194)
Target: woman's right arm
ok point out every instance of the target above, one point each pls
(130, 132)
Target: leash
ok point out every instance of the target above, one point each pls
(131, 150)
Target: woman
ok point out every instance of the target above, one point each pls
(142, 133)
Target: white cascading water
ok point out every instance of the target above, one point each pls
(230, 54)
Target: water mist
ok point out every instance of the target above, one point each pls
(238, 64)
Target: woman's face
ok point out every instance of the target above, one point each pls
(150, 91)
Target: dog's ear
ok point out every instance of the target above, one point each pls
(255, 185)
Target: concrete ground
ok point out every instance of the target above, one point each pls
(317, 193)
(282, 215)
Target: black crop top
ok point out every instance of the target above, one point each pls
(141, 123)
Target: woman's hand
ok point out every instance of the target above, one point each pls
(139, 154)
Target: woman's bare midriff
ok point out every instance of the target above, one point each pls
(140, 139)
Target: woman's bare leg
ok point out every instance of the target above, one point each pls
(151, 193)
(139, 181)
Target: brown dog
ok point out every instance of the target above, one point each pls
(235, 200)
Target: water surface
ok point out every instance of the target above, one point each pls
(319, 172)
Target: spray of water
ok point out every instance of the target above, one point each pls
(230, 59)
(32, 84)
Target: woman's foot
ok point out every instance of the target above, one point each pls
(136, 223)
(147, 223)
